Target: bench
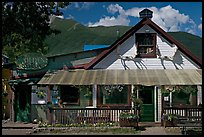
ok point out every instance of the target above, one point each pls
(184, 122)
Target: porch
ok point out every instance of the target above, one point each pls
(97, 79)
(106, 115)
(182, 114)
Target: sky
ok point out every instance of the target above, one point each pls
(170, 16)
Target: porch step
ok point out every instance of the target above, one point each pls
(150, 124)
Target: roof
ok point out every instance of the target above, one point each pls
(115, 77)
(144, 21)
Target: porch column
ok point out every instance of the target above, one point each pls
(155, 103)
(48, 111)
(170, 98)
(199, 95)
(159, 103)
(132, 88)
(94, 95)
(12, 112)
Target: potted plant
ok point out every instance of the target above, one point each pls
(128, 119)
(137, 102)
(170, 120)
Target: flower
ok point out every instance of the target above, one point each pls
(41, 94)
(169, 117)
(128, 115)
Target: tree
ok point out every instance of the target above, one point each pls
(25, 25)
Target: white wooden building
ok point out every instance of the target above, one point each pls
(145, 55)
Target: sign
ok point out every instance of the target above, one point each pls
(31, 61)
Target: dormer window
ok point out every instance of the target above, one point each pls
(146, 45)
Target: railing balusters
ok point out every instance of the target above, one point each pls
(90, 115)
(193, 113)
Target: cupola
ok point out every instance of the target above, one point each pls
(145, 13)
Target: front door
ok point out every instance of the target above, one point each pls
(147, 95)
(22, 103)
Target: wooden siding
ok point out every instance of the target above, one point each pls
(128, 48)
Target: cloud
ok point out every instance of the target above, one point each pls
(110, 21)
(82, 5)
(70, 17)
(168, 18)
(121, 19)
(61, 17)
(115, 8)
(200, 26)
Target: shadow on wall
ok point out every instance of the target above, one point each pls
(177, 60)
(138, 62)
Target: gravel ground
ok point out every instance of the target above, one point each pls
(172, 130)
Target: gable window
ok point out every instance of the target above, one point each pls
(146, 45)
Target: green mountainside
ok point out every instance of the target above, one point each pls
(190, 41)
(73, 36)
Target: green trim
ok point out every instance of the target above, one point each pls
(157, 113)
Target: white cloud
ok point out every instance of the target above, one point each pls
(82, 5)
(110, 21)
(168, 18)
(121, 19)
(115, 8)
(61, 17)
(70, 17)
(200, 26)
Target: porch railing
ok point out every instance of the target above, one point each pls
(188, 112)
(86, 115)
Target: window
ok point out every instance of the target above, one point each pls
(146, 45)
(70, 94)
(186, 95)
(113, 95)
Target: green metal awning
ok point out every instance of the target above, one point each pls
(134, 77)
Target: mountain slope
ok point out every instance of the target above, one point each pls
(73, 36)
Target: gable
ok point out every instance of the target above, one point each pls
(145, 24)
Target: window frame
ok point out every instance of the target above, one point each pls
(69, 103)
(128, 105)
(143, 55)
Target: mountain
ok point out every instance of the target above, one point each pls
(73, 36)
(190, 41)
